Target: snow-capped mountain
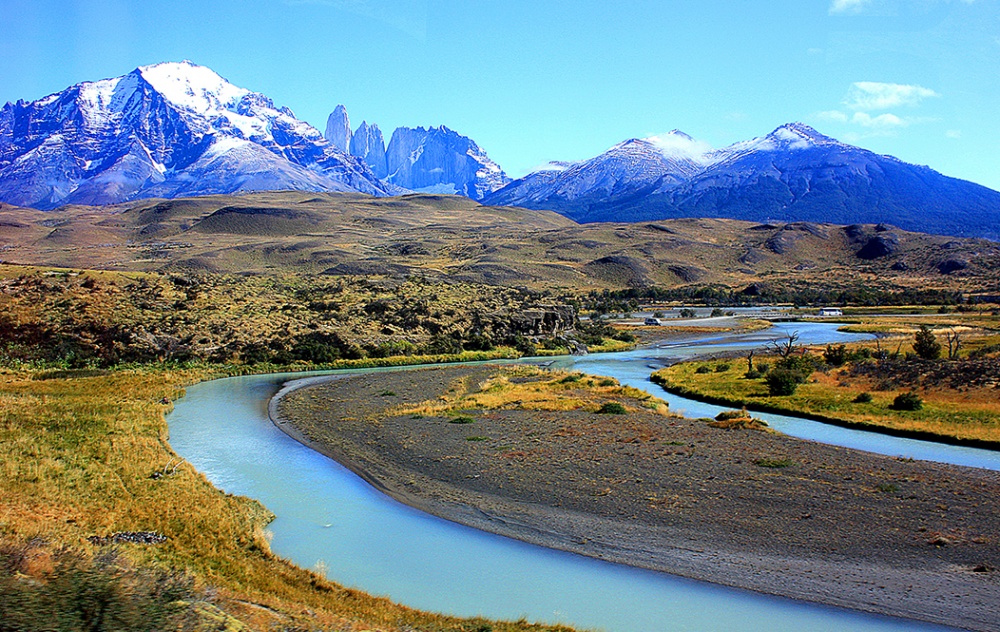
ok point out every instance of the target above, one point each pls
(431, 160)
(792, 174)
(164, 130)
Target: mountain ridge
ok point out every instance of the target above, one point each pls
(792, 174)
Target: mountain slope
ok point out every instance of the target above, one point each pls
(792, 174)
(164, 130)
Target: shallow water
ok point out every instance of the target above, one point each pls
(329, 519)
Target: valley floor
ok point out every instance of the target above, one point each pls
(745, 508)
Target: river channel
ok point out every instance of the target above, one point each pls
(330, 520)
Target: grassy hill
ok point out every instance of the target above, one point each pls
(453, 238)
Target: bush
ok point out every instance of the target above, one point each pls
(721, 368)
(907, 401)
(704, 368)
(763, 367)
(863, 398)
(836, 356)
(462, 419)
(753, 375)
(926, 345)
(782, 382)
(612, 408)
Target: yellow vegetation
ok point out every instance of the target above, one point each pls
(78, 455)
(528, 387)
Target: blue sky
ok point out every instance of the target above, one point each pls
(535, 81)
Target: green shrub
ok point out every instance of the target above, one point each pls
(907, 401)
(763, 367)
(462, 419)
(774, 463)
(926, 345)
(836, 356)
(753, 375)
(782, 382)
(608, 382)
(722, 368)
(863, 398)
(612, 408)
(704, 368)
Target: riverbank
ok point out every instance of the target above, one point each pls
(94, 502)
(743, 508)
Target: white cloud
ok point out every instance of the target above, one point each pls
(881, 122)
(872, 95)
(835, 116)
(953, 133)
(847, 6)
(680, 145)
(854, 7)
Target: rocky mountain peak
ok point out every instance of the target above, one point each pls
(338, 129)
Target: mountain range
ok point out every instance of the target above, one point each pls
(178, 129)
(792, 174)
(165, 130)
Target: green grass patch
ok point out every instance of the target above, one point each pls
(774, 463)
(844, 400)
(612, 408)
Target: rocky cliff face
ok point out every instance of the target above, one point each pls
(429, 160)
(338, 128)
(164, 130)
(367, 143)
(440, 160)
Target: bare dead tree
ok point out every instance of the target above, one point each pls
(954, 343)
(880, 353)
(785, 347)
(750, 360)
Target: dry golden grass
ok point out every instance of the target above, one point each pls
(532, 388)
(77, 457)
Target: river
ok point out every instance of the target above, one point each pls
(330, 520)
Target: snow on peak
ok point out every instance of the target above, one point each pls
(192, 87)
(798, 136)
(554, 166)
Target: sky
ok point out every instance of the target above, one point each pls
(534, 81)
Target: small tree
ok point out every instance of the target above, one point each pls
(925, 344)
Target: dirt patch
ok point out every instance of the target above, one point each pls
(741, 507)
